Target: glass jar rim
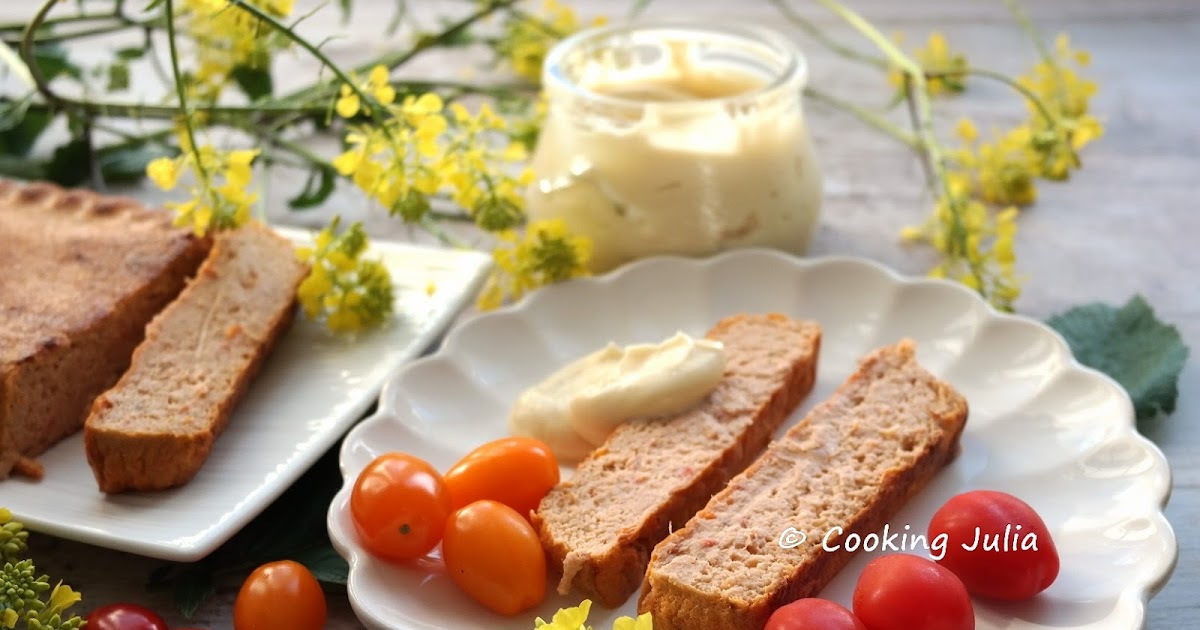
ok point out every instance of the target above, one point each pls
(794, 74)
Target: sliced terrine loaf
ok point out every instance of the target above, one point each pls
(599, 527)
(851, 463)
(154, 429)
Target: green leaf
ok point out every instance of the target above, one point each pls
(20, 139)
(191, 590)
(325, 563)
(126, 162)
(118, 77)
(254, 81)
(638, 6)
(52, 61)
(69, 165)
(12, 113)
(398, 15)
(1132, 346)
(316, 189)
(131, 53)
(21, 168)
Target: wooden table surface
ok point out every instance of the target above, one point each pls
(1126, 224)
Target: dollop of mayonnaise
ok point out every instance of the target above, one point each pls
(575, 409)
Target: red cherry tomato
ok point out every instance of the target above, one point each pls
(811, 613)
(516, 471)
(399, 505)
(996, 544)
(493, 554)
(905, 592)
(125, 616)
(281, 595)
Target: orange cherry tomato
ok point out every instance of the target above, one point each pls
(281, 595)
(399, 505)
(516, 471)
(493, 554)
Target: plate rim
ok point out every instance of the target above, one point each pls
(384, 411)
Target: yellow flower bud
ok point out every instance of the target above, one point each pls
(164, 172)
(347, 104)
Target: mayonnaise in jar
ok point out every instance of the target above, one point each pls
(676, 139)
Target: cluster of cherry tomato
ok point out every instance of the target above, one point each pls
(281, 595)
(903, 592)
(402, 508)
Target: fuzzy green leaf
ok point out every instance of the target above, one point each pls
(1132, 346)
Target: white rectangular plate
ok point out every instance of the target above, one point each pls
(311, 389)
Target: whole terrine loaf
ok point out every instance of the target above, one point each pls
(155, 428)
(851, 463)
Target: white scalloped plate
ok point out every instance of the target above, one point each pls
(1042, 427)
(309, 392)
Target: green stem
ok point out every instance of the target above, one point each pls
(537, 22)
(1010, 82)
(125, 110)
(815, 32)
(397, 59)
(39, 79)
(443, 215)
(1027, 25)
(865, 115)
(342, 77)
(181, 93)
(69, 19)
(1048, 57)
(442, 236)
(53, 38)
(918, 95)
(299, 150)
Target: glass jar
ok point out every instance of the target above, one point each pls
(676, 138)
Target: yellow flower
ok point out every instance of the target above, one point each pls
(945, 69)
(343, 288)
(348, 103)
(164, 172)
(62, 598)
(966, 130)
(9, 618)
(528, 37)
(212, 205)
(644, 622)
(545, 254)
(567, 618)
(417, 108)
(1066, 126)
(378, 83)
(226, 37)
(238, 164)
